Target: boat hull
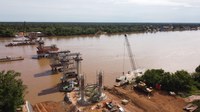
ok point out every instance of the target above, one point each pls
(11, 59)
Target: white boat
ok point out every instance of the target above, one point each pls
(130, 76)
(21, 39)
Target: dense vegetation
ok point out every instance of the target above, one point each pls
(11, 91)
(180, 81)
(9, 29)
(198, 69)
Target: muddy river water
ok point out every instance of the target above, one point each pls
(170, 51)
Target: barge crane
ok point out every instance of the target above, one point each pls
(131, 75)
(133, 65)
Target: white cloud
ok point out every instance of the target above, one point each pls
(184, 3)
(100, 10)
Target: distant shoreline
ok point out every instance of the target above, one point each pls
(97, 35)
(10, 29)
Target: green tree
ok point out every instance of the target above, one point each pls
(11, 91)
(196, 76)
(183, 80)
(167, 82)
(152, 77)
(178, 81)
(198, 69)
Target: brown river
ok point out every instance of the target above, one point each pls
(170, 51)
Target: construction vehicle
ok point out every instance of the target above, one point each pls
(143, 87)
(113, 107)
(131, 75)
(67, 86)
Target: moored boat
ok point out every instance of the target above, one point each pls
(20, 44)
(9, 58)
(21, 39)
(31, 39)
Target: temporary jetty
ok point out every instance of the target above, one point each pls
(9, 58)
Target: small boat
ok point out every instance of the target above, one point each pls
(130, 76)
(38, 56)
(9, 58)
(20, 44)
(21, 39)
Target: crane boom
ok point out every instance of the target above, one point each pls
(133, 65)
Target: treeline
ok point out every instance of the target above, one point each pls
(64, 29)
(9, 29)
(180, 81)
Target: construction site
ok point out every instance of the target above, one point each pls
(116, 99)
(95, 67)
(125, 96)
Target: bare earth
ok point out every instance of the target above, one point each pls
(159, 102)
(50, 106)
(138, 102)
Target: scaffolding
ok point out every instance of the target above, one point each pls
(69, 65)
(91, 93)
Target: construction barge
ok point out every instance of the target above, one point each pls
(45, 49)
(21, 40)
(9, 58)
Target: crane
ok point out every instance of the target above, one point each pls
(130, 76)
(133, 65)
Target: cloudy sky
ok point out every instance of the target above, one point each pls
(100, 10)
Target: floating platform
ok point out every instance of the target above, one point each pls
(38, 56)
(8, 58)
(20, 44)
